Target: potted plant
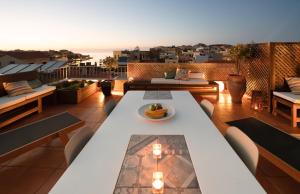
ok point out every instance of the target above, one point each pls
(237, 82)
(107, 85)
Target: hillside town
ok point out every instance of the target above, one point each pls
(39, 57)
(198, 53)
(162, 54)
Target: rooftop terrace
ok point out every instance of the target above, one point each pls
(38, 170)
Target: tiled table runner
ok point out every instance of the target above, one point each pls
(155, 95)
(136, 173)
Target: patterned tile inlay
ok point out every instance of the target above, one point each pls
(138, 165)
(155, 95)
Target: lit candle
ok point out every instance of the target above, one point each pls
(156, 150)
(158, 183)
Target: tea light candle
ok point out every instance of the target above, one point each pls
(156, 150)
(158, 183)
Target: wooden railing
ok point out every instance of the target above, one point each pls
(86, 72)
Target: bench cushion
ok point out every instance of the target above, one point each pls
(35, 83)
(182, 74)
(294, 84)
(17, 88)
(164, 81)
(6, 101)
(193, 75)
(288, 96)
(40, 91)
(194, 81)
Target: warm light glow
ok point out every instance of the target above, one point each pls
(225, 99)
(117, 93)
(158, 175)
(156, 150)
(158, 183)
(130, 79)
(221, 86)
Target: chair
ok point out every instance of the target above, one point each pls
(208, 107)
(244, 147)
(109, 106)
(76, 143)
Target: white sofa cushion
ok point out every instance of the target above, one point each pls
(40, 91)
(164, 81)
(294, 84)
(288, 96)
(6, 101)
(195, 81)
(194, 75)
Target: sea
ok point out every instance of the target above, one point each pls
(96, 55)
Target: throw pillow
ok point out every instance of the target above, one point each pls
(17, 88)
(194, 75)
(35, 83)
(170, 74)
(182, 74)
(294, 84)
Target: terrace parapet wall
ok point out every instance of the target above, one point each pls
(212, 71)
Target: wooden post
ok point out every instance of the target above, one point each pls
(272, 74)
(40, 105)
(294, 115)
(274, 107)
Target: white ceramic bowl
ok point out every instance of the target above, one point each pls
(171, 112)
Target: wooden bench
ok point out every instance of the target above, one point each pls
(17, 107)
(25, 138)
(289, 100)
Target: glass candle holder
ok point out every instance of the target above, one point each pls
(156, 150)
(157, 183)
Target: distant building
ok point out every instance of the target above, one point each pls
(186, 56)
(200, 57)
(24, 57)
(145, 56)
(122, 61)
(117, 54)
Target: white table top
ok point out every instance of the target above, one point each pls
(218, 168)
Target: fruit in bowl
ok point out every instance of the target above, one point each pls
(156, 111)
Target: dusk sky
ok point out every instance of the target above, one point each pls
(99, 24)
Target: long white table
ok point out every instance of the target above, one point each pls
(219, 170)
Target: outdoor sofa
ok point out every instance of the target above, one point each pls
(13, 108)
(196, 85)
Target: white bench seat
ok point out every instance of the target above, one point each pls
(192, 81)
(7, 101)
(289, 96)
(164, 81)
(40, 91)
